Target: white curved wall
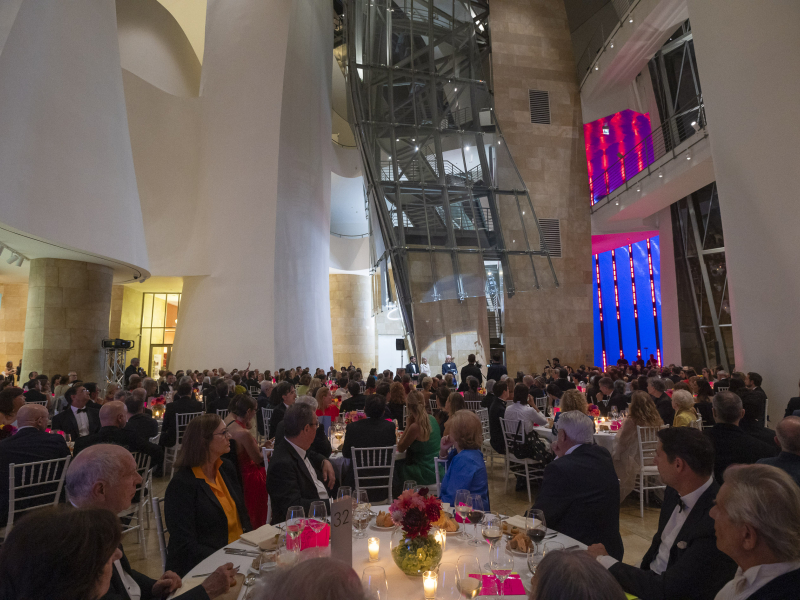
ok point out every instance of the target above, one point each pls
(153, 46)
(66, 170)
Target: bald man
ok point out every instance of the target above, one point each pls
(105, 476)
(30, 444)
(113, 417)
(787, 436)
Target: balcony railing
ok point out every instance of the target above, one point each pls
(659, 143)
(603, 36)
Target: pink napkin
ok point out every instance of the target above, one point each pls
(512, 586)
(309, 539)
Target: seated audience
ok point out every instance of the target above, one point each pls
(420, 441)
(683, 405)
(204, 504)
(455, 402)
(31, 443)
(562, 381)
(497, 411)
(731, 444)
(113, 418)
(757, 520)
(60, 554)
(703, 404)
(554, 394)
(579, 493)
(572, 400)
(487, 400)
(182, 403)
(753, 420)
(94, 395)
(11, 400)
(37, 391)
(656, 387)
(609, 396)
(566, 575)
(250, 458)
(142, 424)
(220, 399)
(793, 405)
(396, 402)
(787, 433)
(169, 385)
(356, 400)
(297, 475)
(262, 401)
(465, 467)
(285, 394)
(641, 413)
(77, 419)
(313, 579)
(321, 444)
(471, 394)
(524, 409)
(683, 560)
(372, 432)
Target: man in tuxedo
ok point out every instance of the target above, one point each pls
(77, 419)
(562, 381)
(731, 444)
(182, 403)
(297, 475)
(142, 424)
(754, 394)
(219, 399)
(723, 380)
(35, 389)
(168, 385)
(787, 432)
(412, 369)
(31, 380)
(683, 560)
(356, 401)
(134, 369)
(450, 367)
(471, 369)
(286, 392)
(608, 397)
(656, 387)
(757, 522)
(30, 444)
(113, 418)
(94, 393)
(105, 476)
(321, 444)
(579, 494)
(496, 369)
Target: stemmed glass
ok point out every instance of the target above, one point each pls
(469, 586)
(535, 559)
(491, 528)
(475, 515)
(317, 517)
(295, 522)
(362, 499)
(614, 413)
(409, 484)
(374, 582)
(462, 508)
(535, 527)
(447, 582)
(345, 491)
(502, 563)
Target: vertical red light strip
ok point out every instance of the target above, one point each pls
(616, 300)
(635, 303)
(653, 298)
(600, 305)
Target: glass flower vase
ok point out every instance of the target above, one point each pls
(416, 555)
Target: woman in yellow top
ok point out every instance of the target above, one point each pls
(204, 503)
(683, 403)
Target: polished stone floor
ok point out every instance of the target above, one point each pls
(636, 532)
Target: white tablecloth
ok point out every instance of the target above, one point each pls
(401, 587)
(607, 439)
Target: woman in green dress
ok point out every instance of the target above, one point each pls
(420, 442)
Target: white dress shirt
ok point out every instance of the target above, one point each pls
(323, 493)
(522, 412)
(745, 584)
(83, 421)
(671, 530)
(133, 589)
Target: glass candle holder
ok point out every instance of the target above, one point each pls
(440, 535)
(374, 546)
(429, 579)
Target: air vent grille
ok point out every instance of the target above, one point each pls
(551, 236)
(540, 106)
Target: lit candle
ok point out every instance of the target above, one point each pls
(373, 545)
(441, 537)
(429, 584)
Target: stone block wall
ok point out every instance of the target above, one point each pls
(13, 307)
(352, 324)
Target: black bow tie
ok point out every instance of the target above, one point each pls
(80, 410)
(681, 505)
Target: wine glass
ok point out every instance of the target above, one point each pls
(295, 522)
(491, 528)
(447, 582)
(475, 515)
(536, 527)
(345, 491)
(502, 563)
(287, 556)
(468, 585)
(462, 508)
(614, 412)
(535, 559)
(373, 580)
(317, 517)
(360, 520)
(362, 499)
(409, 484)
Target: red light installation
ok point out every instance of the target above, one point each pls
(600, 304)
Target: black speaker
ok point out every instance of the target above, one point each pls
(118, 343)
(400, 344)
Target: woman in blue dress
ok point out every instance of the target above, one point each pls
(465, 467)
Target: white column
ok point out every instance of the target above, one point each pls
(670, 325)
(748, 56)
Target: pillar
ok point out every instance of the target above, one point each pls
(352, 323)
(69, 304)
(748, 56)
(13, 305)
(670, 322)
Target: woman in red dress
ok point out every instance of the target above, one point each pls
(326, 408)
(251, 460)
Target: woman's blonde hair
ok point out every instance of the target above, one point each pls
(321, 393)
(466, 430)
(313, 387)
(642, 410)
(574, 400)
(151, 386)
(426, 383)
(683, 399)
(397, 393)
(416, 410)
(456, 402)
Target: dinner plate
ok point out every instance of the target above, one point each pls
(456, 531)
(376, 528)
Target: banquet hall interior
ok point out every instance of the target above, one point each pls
(382, 299)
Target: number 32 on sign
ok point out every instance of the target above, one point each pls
(342, 530)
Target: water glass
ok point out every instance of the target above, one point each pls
(345, 491)
(360, 521)
(317, 518)
(409, 484)
(475, 516)
(373, 580)
(502, 563)
(447, 582)
(295, 522)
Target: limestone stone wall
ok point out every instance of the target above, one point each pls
(125, 321)
(352, 324)
(13, 306)
(531, 49)
(67, 318)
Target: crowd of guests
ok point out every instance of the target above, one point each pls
(730, 512)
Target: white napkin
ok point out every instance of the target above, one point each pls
(262, 534)
(519, 521)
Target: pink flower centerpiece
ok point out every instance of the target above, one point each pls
(414, 549)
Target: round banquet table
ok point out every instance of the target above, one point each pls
(401, 586)
(607, 439)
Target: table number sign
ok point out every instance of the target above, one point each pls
(342, 530)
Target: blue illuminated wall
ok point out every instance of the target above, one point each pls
(632, 326)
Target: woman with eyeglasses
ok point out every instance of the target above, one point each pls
(204, 503)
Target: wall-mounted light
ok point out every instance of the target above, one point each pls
(611, 44)
(695, 126)
(597, 67)
(14, 258)
(688, 156)
(630, 19)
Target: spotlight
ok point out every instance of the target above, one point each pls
(14, 258)
(638, 188)
(597, 67)
(397, 140)
(523, 212)
(611, 44)
(688, 156)
(616, 203)
(661, 174)
(20, 261)
(466, 148)
(390, 158)
(455, 89)
(630, 20)
(695, 126)
(416, 148)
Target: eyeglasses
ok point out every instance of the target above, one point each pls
(224, 433)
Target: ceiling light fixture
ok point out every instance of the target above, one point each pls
(416, 148)
(638, 188)
(14, 258)
(20, 261)
(617, 202)
(660, 174)
(688, 156)
(597, 67)
(630, 20)
(611, 44)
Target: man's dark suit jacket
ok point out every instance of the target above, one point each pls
(497, 411)
(664, 408)
(780, 588)
(165, 388)
(117, 591)
(26, 446)
(289, 482)
(353, 403)
(616, 399)
(180, 405)
(496, 371)
(111, 434)
(277, 416)
(794, 404)
(450, 368)
(757, 430)
(142, 425)
(320, 445)
(787, 461)
(412, 369)
(195, 519)
(65, 421)
(471, 371)
(217, 403)
(564, 384)
(34, 395)
(732, 446)
(695, 569)
(367, 433)
(580, 497)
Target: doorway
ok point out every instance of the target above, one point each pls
(159, 359)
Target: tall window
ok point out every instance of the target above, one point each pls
(159, 320)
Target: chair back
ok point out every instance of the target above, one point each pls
(34, 485)
(541, 403)
(405, 416)
(434, 406)
(266, 414)
(473, 405)
(254, 390)
(437, 462)
(483, 415)
(374, 469)
(136, 511)
(266, 453)
(721, 389)
(648, 444)
(697, 423)
(181, 422)
(222, 412)
(39, 402)
(513, 433)
(161, 530)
